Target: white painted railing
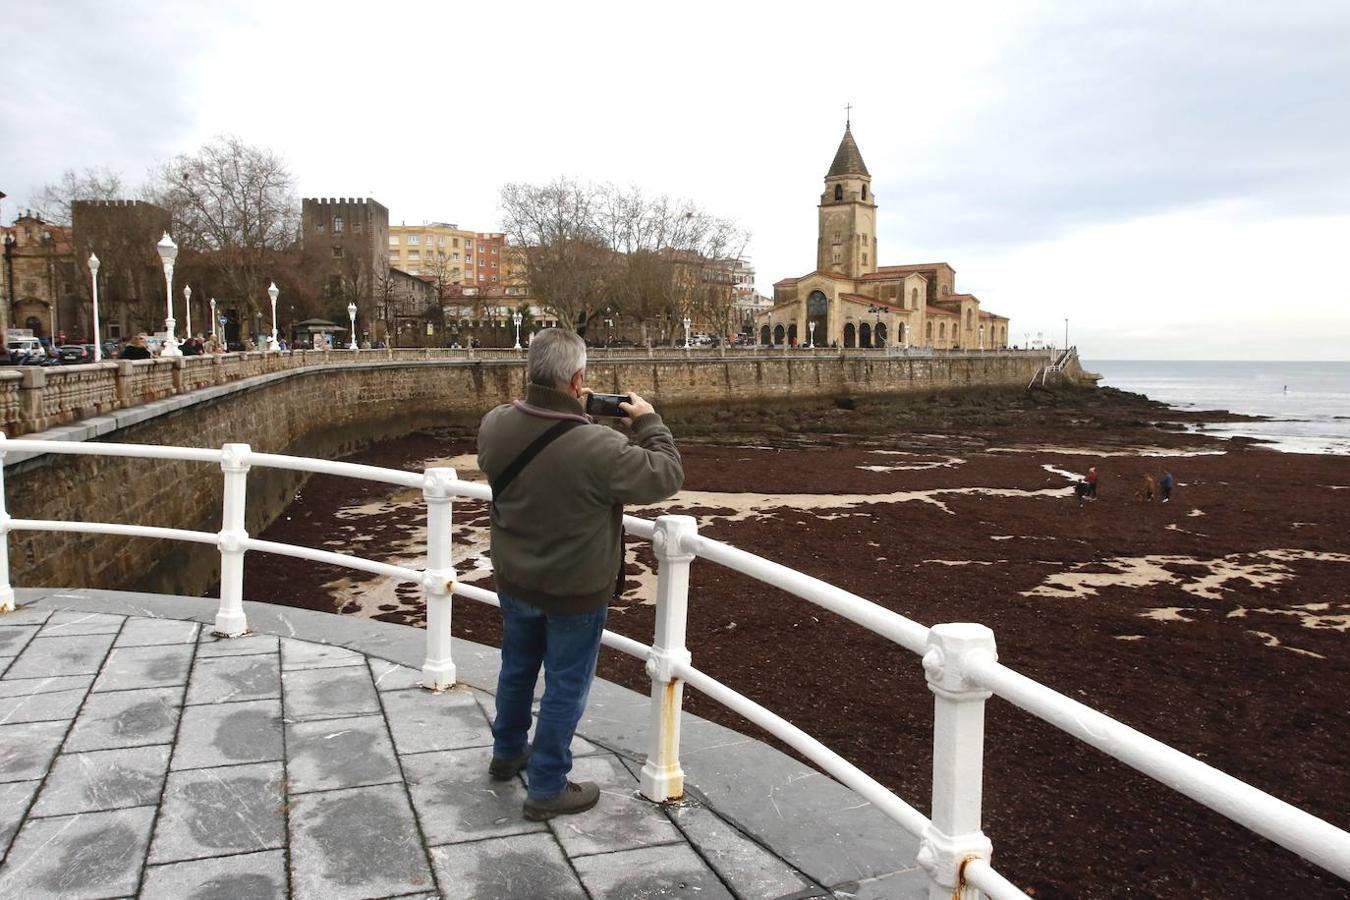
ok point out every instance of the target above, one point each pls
(960, 662)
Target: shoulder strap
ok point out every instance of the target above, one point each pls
(518, 464)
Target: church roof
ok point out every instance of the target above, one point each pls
(847, 159)
(916, 267)
(939, 311)
(834, 275)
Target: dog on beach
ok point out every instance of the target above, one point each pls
(1147, 490)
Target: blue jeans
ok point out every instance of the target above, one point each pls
(567, 646)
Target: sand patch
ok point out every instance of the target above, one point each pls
(947, 462)
(1272, 641)
(1133, 451)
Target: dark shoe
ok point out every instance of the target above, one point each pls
(506, 769)
(574, 798)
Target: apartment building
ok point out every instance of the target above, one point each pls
(439, 250)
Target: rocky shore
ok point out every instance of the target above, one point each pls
(1216, 623)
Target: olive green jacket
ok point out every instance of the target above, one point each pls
(557, 529)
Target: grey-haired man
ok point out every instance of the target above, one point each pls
(559, 484)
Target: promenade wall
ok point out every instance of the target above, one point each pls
(326, 405)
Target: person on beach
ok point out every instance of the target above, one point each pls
(1091, 481)
(1165, 485)
(559, 482)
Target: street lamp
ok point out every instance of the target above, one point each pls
(213, 317)
(93, 276)
(686, 332)
(982, 337)
(168, 252)
(811, 330)
(1066, 333)
(351, 314)
(187, 301)
(517, 318)
(272, 292)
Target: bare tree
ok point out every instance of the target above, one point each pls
(53, 201)
(234, 201)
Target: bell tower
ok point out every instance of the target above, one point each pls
(847, 242)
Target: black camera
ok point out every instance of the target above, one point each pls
(606, 405)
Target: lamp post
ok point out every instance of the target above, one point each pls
(168, 252)
(811, 331)
(517, 318)
(351, 314)
(213, 317)
(686, 332)
(982, 338)
(93, 277)
(187, 301)
(272, 293)
(1066, 333)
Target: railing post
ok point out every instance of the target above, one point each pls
(954, 836)
(230, 619)
(6, 589)
(662, 778)
(438, 579)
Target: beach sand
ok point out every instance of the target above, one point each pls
(1216, 623)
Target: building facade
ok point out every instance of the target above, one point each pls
(38, 279)
(123, 234)
(440, 250)
(851, 301)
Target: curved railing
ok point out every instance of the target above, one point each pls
(959, 660)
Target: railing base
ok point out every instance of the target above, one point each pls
(438, 676)
(231, 624)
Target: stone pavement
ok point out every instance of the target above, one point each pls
(142, 756)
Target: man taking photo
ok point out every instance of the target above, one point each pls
(559, 483)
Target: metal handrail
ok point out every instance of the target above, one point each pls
(959, 660)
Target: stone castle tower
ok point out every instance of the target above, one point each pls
(847, 242)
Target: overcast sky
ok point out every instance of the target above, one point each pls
(1173, 178)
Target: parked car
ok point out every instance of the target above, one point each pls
(25, 350)
(74, 354)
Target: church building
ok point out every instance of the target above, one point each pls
(851, 301)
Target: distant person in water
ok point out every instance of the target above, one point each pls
(1091, 482)
(1165, 485)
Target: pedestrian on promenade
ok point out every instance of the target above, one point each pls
(135, 349)
(559, 483)
(1165, 485)
(1091, 481)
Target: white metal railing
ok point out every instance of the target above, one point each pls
(960, 663)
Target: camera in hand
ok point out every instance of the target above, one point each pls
(606, 405)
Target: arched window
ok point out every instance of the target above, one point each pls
(942, 331)
(865, 335)
(879, 335)
(792, 335)
(839, 192)
(968, 313)
(928, 331)
(778, 334)
(913, 298)
(864, 192)
(764, 335)
(849, 335)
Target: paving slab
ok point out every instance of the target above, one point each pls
(22, 687)
(14, 799)
(129, 668)
(26, 749)
(68, 623)
(138, 632)
(37, 706)
(214, 645)
(103, 780)
(356, 843)
(457, 801)
(622, 820)
(228, 734)
(339, 753)
(216, 812)
(421, 720)
(222, 679)
(393, 677)
(309, 655)
(530, 865)
(748, 868)
(649, 872)
(67, 655)
(13, 638)
(91, 855)
(26, 614)
(580, 746)
(126, 719)
(246, 876)
(5, 663)
(329, 693)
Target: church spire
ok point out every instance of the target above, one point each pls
(847, 159)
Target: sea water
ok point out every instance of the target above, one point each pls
(1307, 404)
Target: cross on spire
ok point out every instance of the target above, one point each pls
(848, 115)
